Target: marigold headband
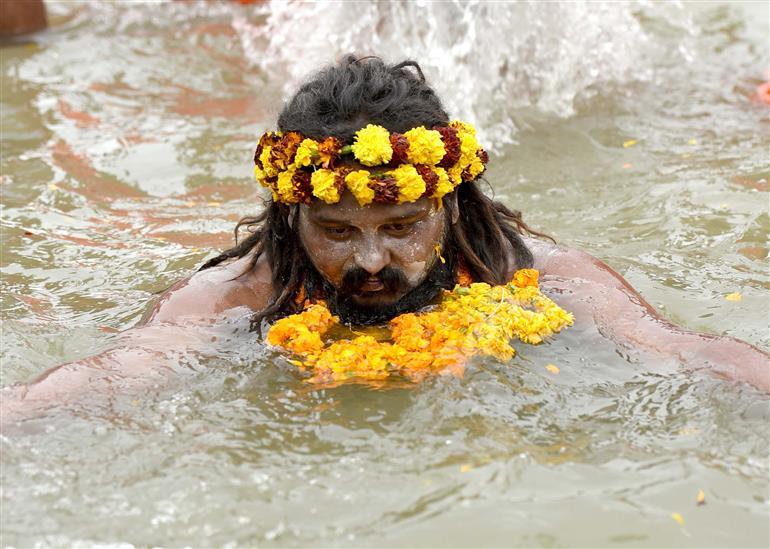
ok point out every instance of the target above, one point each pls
(418, 163)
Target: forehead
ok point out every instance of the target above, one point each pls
(348, 210)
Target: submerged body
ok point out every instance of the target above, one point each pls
(580, 283)
(377, 249)
(600, 299)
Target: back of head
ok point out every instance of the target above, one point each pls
(343, 98)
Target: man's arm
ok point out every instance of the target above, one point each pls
(133, 368)
(211, 292)
(590, 289)
(182, 321)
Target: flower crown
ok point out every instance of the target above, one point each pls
(418, 163)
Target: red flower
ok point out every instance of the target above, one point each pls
(451, 146)
(385, 189)
(303, 189)
(429, 176)
(339, 178)
(400, 146)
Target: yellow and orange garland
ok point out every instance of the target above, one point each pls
(419, 163)
(478, 319)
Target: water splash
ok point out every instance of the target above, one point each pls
(487, 60)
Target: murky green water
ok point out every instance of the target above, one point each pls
(127, 135)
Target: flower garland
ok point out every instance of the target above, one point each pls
(418, 163)
(478, 319)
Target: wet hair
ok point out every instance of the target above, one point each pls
(338, 101)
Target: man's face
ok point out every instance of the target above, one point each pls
(375, 255)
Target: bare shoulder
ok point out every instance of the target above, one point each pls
(557, 262)
(600, 297)
(209, 293)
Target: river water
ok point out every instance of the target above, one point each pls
(625, 129)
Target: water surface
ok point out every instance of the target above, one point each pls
(127, 137)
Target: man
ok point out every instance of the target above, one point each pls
(376, 261)
(375, 208)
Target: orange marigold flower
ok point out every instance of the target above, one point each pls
(464, 276)
(329, 151)
(525, 277)
(479, 319)
(282, 153)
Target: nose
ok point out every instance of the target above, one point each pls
(371, 255)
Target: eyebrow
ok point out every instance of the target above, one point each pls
(409, 214)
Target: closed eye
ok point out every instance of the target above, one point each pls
(398, 229)
(338, 232)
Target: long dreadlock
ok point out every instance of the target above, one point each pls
(338, 101)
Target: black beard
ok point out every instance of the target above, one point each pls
(441, 276)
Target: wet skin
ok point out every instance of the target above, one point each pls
(601, 300)
(342, 237)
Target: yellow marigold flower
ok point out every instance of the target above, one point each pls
(455, 174)
(476, 167)
(425, 146)
(307, 149)
(372, 146)
(285, 187)
(358, 183)
(468, 148)
(410, 184)
(260, 176)
(444, 185)
(463, 127)
(324, 184)
(264, 157)
(479, 319)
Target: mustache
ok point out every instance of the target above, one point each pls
(391, 278)
(440, 276)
